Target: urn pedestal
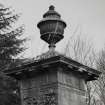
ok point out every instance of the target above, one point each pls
(57, 80)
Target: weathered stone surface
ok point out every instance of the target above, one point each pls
(54, 81)
(69, 89)
(38, 86)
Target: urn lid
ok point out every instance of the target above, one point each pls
(51, 13)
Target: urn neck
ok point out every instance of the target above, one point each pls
(52, 47)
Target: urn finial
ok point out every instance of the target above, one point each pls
(51, 7)
(51, 27)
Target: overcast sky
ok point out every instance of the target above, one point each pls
(85, 16)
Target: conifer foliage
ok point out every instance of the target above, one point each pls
(10, 43)
(10, 46)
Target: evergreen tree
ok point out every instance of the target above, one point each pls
(10, 47)
(10, 44)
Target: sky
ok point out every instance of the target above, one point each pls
(83, 16)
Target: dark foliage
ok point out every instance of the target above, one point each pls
(10, 46)
(9, 91)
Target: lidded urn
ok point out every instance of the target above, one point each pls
(51, 27)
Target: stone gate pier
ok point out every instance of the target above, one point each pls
(53, 78)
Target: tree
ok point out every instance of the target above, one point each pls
(10, 46)
(82, 51)
(100, 84)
